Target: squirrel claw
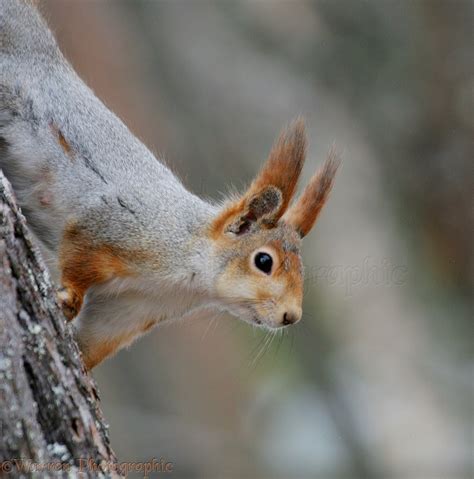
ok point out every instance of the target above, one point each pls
(69, 303)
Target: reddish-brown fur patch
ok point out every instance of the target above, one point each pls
(291, 274)
(62, 141)
(294, 277)
(304, 213)
(281, 170)
(84, 263)
(95, 353)
(284, 164)
(148, 325)
(223, 219)
(64, 144)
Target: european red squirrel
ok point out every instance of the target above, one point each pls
(133, 246)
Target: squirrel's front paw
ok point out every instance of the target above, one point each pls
(69, 302)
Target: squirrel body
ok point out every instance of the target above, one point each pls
(132, 246)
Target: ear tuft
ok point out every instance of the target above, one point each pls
(303, 214)
(271, 191)
(284, 164)
(258, 208)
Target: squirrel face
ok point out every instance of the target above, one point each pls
(261, 279)
(257, 237)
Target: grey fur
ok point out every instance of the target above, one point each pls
(39, 89)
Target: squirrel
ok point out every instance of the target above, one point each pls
(132, 246)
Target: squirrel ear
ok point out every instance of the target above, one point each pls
(303, 214)
(260, 207)
(271, 191)
(284, 164)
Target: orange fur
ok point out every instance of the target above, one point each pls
(84, 264)
(97, 352)
(281, 170)
(62, 141)
(148, 325)
(290, 273)
(284, 164)
(224, 218)
(64, 144)
(303, 214)
(94, 353)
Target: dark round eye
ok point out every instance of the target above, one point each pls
(264, 262)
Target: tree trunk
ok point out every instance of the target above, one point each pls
(49, 413)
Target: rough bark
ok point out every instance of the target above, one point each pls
(49, 412)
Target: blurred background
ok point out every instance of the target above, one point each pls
(376, 381)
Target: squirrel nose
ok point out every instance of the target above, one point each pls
(290, 317)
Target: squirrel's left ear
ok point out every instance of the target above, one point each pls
(271, 191)
(304, 212)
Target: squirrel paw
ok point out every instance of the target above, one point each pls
(69, 302)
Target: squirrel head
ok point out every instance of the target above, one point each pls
(257, 236)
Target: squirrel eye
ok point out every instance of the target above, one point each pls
(264, 262)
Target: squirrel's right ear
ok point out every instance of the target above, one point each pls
(284, 164)
(271, 191)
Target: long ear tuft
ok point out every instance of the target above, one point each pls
(271, 191)
(284, 164)
(304, 212)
